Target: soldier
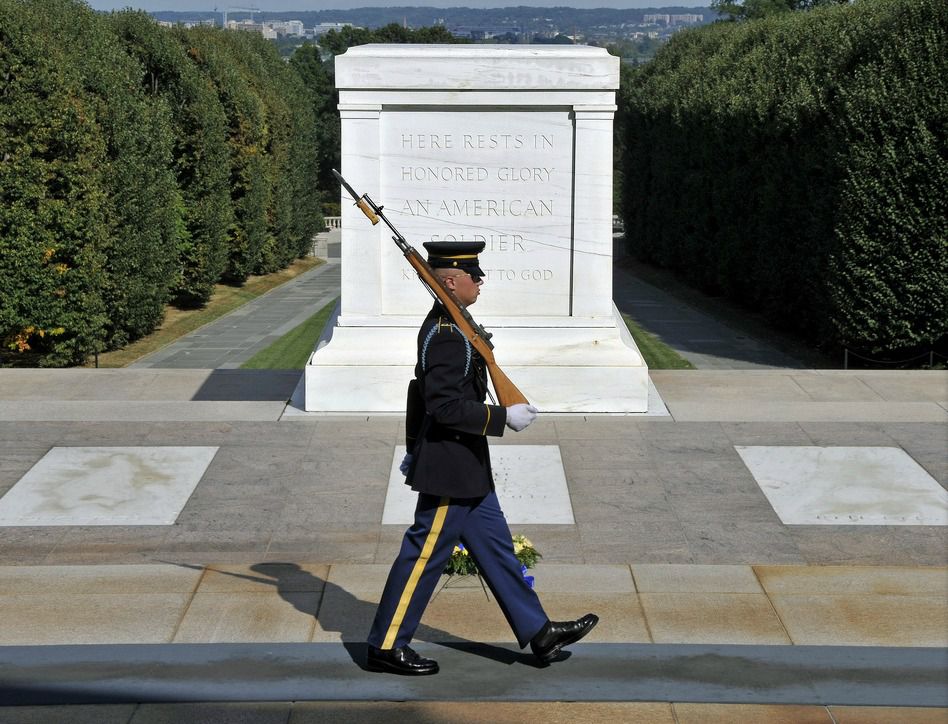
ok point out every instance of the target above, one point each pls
(448, 464)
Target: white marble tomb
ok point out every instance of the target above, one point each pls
(509, 145)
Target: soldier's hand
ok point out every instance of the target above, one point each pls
(406, 464)
(520, 415)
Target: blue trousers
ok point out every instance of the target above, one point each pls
(440, 523)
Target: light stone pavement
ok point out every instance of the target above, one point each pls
(228, 342)
(700, 338)
(674, 545)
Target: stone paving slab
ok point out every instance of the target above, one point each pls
(713, 618)
(887, 715)
(877, 620)
(468, 713)
(90, 618)
(589, 578)
(74, 714)
(100, 579)
(748, 410)
(671, 578)
(263, 577)
(75, 411)
(132, 384)
(853, 580)
(248, 616)
(731, 713)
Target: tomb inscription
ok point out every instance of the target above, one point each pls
(501, 178)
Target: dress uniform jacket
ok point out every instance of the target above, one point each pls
(451, 457)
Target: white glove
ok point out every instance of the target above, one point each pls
(520, 415)
(406, 464)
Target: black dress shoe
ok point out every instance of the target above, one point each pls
(555, 635)
(403, 660)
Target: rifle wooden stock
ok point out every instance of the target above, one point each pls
(507, 392)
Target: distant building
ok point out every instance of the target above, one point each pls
(665, 19)
(655, 19)
(292, 28)
(481, 32)
(324, 28)
(687, 19)
(262, 28)
(189, 24)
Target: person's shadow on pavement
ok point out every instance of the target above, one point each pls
(338, 610)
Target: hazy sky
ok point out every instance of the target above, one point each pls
(274, 5)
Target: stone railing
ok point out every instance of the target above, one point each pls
(333, 222)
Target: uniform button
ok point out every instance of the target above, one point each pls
(457, 437)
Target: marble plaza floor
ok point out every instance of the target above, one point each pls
(773, 549)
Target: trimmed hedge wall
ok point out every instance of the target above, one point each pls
(139, 165)
(798, 164)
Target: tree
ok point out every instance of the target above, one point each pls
(318, 79)
(797, 164)
(753, 9)
(97, 206)
(339, 41)
(52, 205)
(247, 138)
(200, 155)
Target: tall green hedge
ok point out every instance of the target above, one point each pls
(138, 165)
(53, 209)
(201, 162)
(797, 164)
(318, 79)
(115, 272)
(289, 143)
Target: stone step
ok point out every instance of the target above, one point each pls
(799, 675)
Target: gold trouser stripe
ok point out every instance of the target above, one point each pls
(416, 572)
(487, 421)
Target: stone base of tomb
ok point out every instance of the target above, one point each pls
(588, 366)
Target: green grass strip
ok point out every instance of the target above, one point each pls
(657, 354)
(292, 350)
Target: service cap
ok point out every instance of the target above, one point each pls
(455, 255)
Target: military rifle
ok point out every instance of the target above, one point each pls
(507, 392)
